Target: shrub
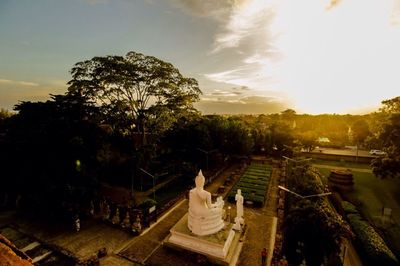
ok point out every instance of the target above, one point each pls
(370, 242)
(349, 208)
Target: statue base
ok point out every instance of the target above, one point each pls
(219, 248)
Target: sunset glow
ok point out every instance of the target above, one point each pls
(313, 56)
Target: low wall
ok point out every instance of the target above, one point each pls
(338, 157)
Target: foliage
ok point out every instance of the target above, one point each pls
(389, 137)
(137, 89)
(391, 106)
(49, 152)
(389, 164)
(348, 207)
(204, 135)
(312, 222)
(4, 114)
(375, 249)
(360, 131)
(308, 139)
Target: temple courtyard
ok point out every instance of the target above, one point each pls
(149, 248)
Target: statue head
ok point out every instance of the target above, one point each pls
(199, 180)
(239, 192)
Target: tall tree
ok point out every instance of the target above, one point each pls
(49, 152)
(388, 165)
(135, 88)
(391, 106)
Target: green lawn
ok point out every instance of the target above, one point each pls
(341, 164)
(371, 194)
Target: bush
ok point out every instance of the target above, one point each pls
(349, 208)
(370, 242)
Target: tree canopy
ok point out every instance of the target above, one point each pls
(388, 165)
(135, 88)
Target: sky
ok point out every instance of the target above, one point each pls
(249, 56)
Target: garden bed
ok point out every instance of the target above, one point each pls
(253, 184)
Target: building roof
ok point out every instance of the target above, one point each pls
(11, 255)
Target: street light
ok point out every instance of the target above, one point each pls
(305, 197)
(154, 180)
(206, 153)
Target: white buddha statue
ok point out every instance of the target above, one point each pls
(204, 217)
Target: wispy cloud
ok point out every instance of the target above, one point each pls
(96, 2)
(395, 14)
(13, 91)
(246, 20)
(217, 9)
(17, 82)
(333, 3)
(244, 36)
(241, 105)
(306, 49)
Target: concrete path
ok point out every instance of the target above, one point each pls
(146, 244)
(261, 227)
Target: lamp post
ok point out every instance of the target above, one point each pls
(304, 197)
(154, 180)
(206, 153)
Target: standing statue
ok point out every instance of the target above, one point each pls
(116, 219)
(239, 206)
(136, 226)
(126, 223)
(204, 217)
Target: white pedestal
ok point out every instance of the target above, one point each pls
(216, 245)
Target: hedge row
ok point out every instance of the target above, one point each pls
(369, 241)
(253, 184)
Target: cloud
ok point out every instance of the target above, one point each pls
(20, 83)
(217, 9)
(310, 51)
(333, 3)
(96, 2)
(341, 59)
(246, 22)
(244, 105)
(329, 56)
(12, 92)
(395, 13)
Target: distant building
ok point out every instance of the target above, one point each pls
(323, 140)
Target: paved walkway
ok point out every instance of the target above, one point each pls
(146, 244)
(84, 244)
(260, 227)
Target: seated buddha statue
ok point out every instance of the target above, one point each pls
(205, 218)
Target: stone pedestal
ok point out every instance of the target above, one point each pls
(219, 246)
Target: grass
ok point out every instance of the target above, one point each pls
(342, 164)
(370, 195)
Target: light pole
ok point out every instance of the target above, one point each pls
(154, 180)
(305, 197)
(206, 153)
